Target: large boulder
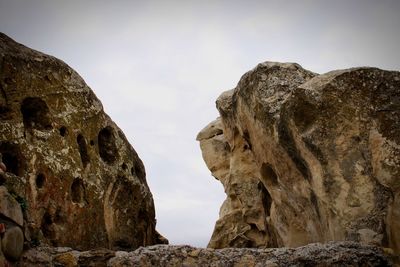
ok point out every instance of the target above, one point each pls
(308, 158)
(81, 183)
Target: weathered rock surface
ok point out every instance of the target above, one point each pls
(80, 181)
(331, 254)
(307, 158)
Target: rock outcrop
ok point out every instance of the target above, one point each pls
(307, 158)
(71, 169)
(331, 254)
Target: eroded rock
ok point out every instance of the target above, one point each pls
(323, 150)
(67, 161)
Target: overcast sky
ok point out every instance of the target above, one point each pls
(158, 67)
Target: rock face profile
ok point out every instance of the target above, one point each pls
(307, 158)
(75, 178)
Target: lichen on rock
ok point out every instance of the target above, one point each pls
(308, 158)
(67, 160)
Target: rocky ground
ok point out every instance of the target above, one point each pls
(330, 254)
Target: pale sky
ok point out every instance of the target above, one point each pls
(158, 67)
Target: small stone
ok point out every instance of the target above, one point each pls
(12, 243)
(9, 207)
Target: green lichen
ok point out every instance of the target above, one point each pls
(21, 200)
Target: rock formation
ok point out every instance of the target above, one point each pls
(307, 158)
(301, 162)
(330, 254)
(71, 169)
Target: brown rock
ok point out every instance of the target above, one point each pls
(324, 151)
(9, 207)
(84, 184)
(12, 243)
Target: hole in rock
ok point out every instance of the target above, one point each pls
(35, 114)
(78, 191)
(46, 226)
(40, 180)
(246, 137)
(12, 158)
(91, 142)
(107, 147)
(124, 166)
(5, 113)
(83, 150)
(268, 174)
(63, 131)
(266, 199)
